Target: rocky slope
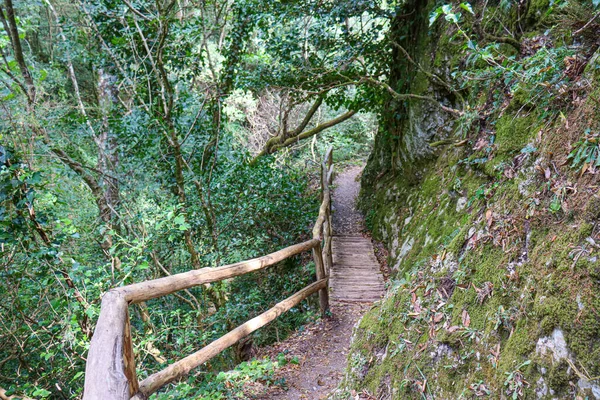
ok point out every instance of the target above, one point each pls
(492, 229)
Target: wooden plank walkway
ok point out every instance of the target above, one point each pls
(355, 275)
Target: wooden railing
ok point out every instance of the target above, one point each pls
(110, 371)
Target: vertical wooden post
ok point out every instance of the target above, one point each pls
(329, 244)
(328, 229)
(326, 240)
(129, 358)
(105, 370)
(323, 182)
(323, 293)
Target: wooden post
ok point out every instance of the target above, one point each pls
(105, 376)
(129, 358)
(323, 293)
(326, 240)
(323, 183)
(328, 228)
(330, 243)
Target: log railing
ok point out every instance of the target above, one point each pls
(110, 371)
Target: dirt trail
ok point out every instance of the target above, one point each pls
(322, 347)
(347, 220)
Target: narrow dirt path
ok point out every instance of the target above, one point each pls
(347, 220)
(322, 348)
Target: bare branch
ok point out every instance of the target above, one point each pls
(406, 96)
(279, 142)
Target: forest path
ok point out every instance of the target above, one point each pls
(356, 281)
(356, 274)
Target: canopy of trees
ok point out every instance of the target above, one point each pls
(136, 141)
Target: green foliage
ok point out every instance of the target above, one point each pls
(450, 13)
(515, 382)
(586, 152)
(227, 385)
(541, 76)
(153, 127)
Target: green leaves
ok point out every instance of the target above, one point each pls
(180, 223)
(435, 14)
(586, 152)
(43, 393)
(447, 10)
(467, 7)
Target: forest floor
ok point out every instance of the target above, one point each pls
(321, 348)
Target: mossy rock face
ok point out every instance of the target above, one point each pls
(483, 273)
(559, 377)
(592, 210)
(538, 11)
(514, 132)
(521, 101)
(592, 69)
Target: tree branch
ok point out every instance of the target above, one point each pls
(307, 117)
(407, 96)
(10, 26)
(278, 142)
(431, 76)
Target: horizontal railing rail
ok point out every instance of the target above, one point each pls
(110, 368)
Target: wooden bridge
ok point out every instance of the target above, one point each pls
(349, 260)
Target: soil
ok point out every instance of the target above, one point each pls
(347, 220)
(321, 348)
(321, 351)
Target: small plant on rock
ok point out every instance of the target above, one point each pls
(586, 153)
(515, 382)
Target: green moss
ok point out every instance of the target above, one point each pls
(521, 101)
(592, 70)
(519, 346)
(458, 240)
(592, 209)
(513, 132)
(559, 376)
(585, 230)
(556, 312)
(537, 12)
(545, 291)
(448, 53)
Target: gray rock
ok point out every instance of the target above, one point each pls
(585, 384)
(555, 343)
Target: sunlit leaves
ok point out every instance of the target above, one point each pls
(449, 13)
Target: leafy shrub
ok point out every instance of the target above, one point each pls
(233, 384)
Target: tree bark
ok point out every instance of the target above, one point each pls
(10, 26)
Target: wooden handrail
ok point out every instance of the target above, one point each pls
(110, 368)
(147, 290)
(185, 365)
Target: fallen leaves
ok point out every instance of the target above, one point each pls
(453, 329)
(489, 216)
(479, 389)
(466, 319)
(485, 291)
